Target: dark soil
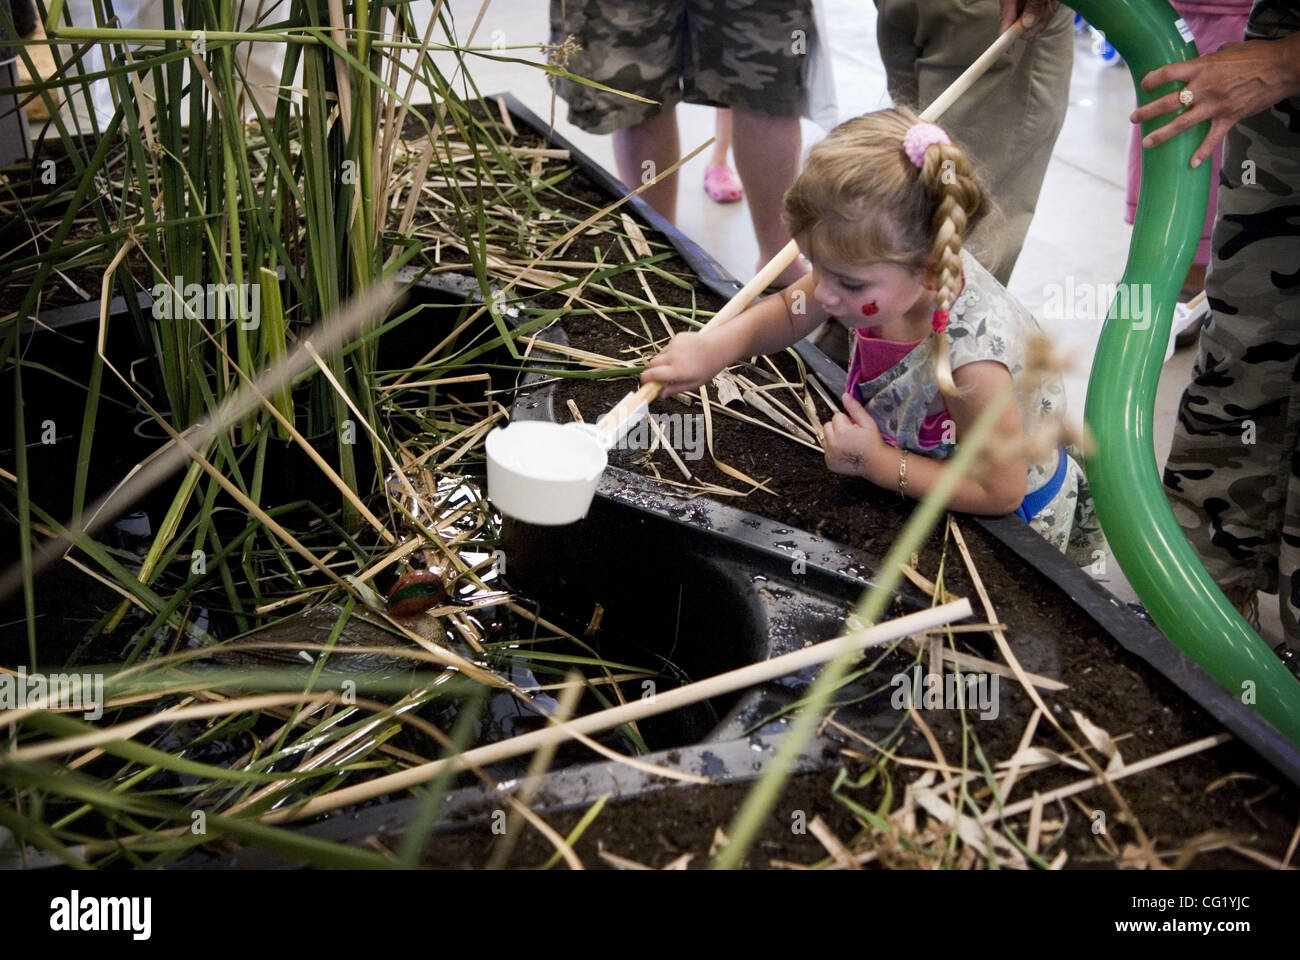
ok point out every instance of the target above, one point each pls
(1227, 789)
(657, 828)
(30, 184)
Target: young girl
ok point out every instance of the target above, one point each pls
(880, 210)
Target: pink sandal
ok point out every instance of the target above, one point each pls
(721, 184)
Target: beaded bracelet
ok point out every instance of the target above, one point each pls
(902, 475)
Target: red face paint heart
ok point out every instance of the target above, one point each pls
(870, 309)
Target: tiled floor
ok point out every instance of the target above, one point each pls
(1078, 231)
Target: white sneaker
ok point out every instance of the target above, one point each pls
(1188, 318)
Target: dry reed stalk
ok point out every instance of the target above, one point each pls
(708, 442)
(673, 699)
(480, 427)
(338, 33)
(926, 732)
(620, 863)
(330, 473)
(756, 400)
(660, 438)
(737, 415)
(699, 488)
(1013, 774)
(1140, 766)
(894, 758)
(1144, 842)
(1258, 857)
(506, 120)
(764, 393)
(826, 837)
(555, 244)
(641, 250)
(989, 843)
(919, 581)
(417, 186)
(398, 553)
(799, 389)
(1035, 824)
(968, 628)
(979, 664)
(111, 585)
(935, 651)
(318, 758)
(325, 335)
(471, 440)
(1291, 847)
(125, 731)
(586, 357)
(538, 766)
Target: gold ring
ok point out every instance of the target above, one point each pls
(1186, 97)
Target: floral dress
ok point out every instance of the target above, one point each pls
(985, 323)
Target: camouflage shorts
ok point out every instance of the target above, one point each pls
(1233, 474)
(742, 53)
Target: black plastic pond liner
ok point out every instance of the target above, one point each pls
(762, 608)
(1136, 634)
(735, 598)
(756, 605)
(572, 788)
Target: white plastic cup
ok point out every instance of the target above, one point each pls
(544, 473)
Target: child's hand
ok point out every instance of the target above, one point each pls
(853, 443)
(689, 360)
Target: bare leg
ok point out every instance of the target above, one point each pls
(721, 137)
(767, 159)
(652, 142)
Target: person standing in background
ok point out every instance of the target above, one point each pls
(1213, 23)
(1233, 474)
(720, 182)
(748, 55)
(1009, 120)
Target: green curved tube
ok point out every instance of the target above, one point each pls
(1131, 506)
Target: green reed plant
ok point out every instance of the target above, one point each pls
(311, 199)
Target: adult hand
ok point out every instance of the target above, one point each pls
(1036, 14)
(1237, 81)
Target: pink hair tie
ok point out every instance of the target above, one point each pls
(940, 321)
(919, 138)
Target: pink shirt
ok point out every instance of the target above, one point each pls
(873, 356)
(1237, 8)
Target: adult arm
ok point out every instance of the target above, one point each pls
(1237, 81)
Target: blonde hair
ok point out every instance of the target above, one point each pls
(860, 199)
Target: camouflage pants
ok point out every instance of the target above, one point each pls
(1007, 122)
(1233, 475)
(750, 54)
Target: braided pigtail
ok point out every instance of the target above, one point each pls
(862, 199)
(957, 197)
